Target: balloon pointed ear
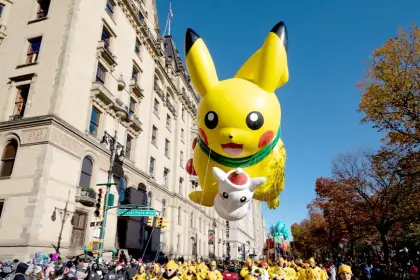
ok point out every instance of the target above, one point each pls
(199, 63)
(219, 174)
(267, 67)
(256, 182)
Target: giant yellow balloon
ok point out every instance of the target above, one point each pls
(239, 118)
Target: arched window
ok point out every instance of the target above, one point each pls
(163, 207)
(192, 220)
(8, 158)
(86, 173)
(179, 215)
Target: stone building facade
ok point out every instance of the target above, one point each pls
(72, 72)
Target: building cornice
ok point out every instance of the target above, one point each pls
(152, 44)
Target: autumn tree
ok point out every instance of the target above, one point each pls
(391, 98)
(388, 198)
(391, 89)
(342, 207)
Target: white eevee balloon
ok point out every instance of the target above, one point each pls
(236, 190)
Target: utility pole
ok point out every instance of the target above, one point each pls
(114, 148)
(65, 213)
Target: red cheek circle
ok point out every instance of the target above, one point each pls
(203, 136)
(190, 167)
(194, 143)
(265, 139)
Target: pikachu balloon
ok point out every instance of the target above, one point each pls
(239, 118)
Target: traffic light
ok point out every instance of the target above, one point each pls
(150, 221)
(93, 246)
(98, 204)
(164, 223)
(159, 222)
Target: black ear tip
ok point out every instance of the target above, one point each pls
(280, 30)
(190, 38)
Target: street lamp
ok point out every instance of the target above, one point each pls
(116, 148)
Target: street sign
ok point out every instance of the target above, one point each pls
(136, 212)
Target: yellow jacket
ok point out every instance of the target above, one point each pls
(276, 271)
(214, 275)
(301, 273)
(290, 273)
(246, 273)
(314, 273)
(140, 276)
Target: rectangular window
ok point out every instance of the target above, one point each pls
(156, 107)
(181, 159)
(135, 73)
(106, 38)
(152, 167)
(1, 9)
(167, 143)
(21, 100)
(181, 182)
(79, 229)
(43, 7)
(137, 47)
(154, 135)
(182, 134)
(33, 50)
(168, 122)
(109, 8)
(100, 74)
(183, 114)
(165, 176)
(128, 144)
(94, 121)
(132, 107)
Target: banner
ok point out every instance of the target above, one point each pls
(211, 237)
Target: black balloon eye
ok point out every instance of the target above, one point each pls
(254, 120)
(211, 120)
(225, 195)
(243, 199)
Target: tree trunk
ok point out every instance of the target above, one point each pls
(385, 246)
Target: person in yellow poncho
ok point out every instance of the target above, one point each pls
(171, 271)
(141, 274)
(181, 270)
(248, 271)
(314, 272)
(201, 270)
(301, 270)
(213, 273)
(290, 272)
(344, 272)
(156, 271)
(190, 275)
(276, 271)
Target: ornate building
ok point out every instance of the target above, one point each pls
(72, 72)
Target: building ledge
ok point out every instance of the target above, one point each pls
(26, 65)
(109, 57)
(37, 20)
(136, 89)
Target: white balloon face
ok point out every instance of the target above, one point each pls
(233, 201)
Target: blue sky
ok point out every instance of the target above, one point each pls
(328, 43)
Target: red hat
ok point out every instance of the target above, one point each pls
(238, 177)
